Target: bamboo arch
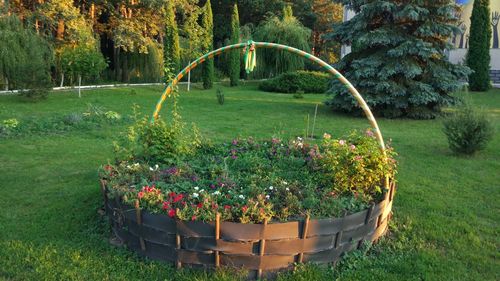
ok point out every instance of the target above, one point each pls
(326, 66)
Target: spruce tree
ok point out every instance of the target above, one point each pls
(171, 48)
(208, 66)
(234, 56)
(398, 61)
(478, 54)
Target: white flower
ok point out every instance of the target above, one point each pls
(287, 189)
(196, 188)
(202, 190)
(299, 138)
(216, 192)
(241, 196)
(128, 167)
(267, 196)
(271, 187)
(156, 167)
(285, 183)
(151, 169)
(136, 165)
(195, 195)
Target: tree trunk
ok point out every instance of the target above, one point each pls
(125, 71)
(6, 83)
(79, 85)
(62, 79)
(60, 30)
(92, 11)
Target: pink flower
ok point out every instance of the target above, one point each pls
(193, 218)
(342, 142)
(227, 207)
(244, 208)
(369, 133)
(352, 147)
(358, 158)
(140, 194)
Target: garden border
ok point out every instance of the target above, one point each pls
(263, 249)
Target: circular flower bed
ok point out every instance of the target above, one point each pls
(257, 204)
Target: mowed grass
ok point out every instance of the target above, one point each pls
(446, 213)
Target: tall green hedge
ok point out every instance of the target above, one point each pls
(208, 44)
(478, 54)
(234, 56)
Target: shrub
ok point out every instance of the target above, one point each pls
(356, 165)
(291, 82)
(220, 97)
(35, 95)
(467, 130)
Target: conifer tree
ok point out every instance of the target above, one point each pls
(234, 56)
(398, 61)
(478, 53)
(171, 47)
(208, 66)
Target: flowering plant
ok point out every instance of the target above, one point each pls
(251, 181)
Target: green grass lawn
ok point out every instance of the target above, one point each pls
(446, 214)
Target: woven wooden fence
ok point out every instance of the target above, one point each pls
(263, 249)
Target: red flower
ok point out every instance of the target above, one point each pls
(165, 205)
(171, 213)
(227, 207)
(140, 194)
(244, 208)
(178, 198)
(193, 218)
(199, 205)
(171, 194)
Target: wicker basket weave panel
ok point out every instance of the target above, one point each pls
(260, 248)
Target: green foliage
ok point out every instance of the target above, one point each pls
(171, 47)
(467, 130)
(288, 31)
(251, 181)
(82, 60)
(478, 53)
(413, 249)
(220, 96)
(234, 56)
(398, 61)
(94, 117)
(158, 141)
(25, 58)
(208, 44)
(291, 82)
(35, 95)
(356, 165)
(142, 67)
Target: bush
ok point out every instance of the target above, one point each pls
(35, 95)
(291, 82)
(220, 96)
(467, 130)
(356, 165)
